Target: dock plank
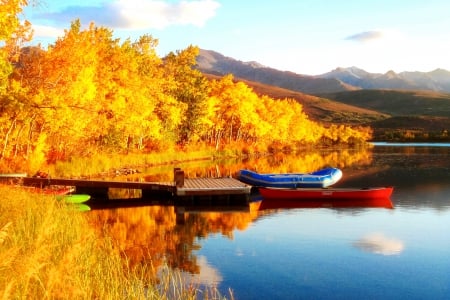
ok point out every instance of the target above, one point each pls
(212, 186)
(32, 181)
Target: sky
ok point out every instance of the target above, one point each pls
(308, 37)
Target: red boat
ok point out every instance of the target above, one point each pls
(327, 193)
(274, 198)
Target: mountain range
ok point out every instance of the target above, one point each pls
(337, 80)
(389, 103)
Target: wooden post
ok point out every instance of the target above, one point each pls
(178, 175)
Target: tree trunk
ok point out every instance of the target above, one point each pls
(5, 143)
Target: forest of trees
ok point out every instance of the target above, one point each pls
(90, 92)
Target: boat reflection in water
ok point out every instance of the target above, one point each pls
(325, 203)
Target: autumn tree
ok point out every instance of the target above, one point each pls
(233, 112)
(187, 85)
(97, 91)
(14, 105)
(12, 34)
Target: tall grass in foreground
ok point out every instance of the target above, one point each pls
(49, 251)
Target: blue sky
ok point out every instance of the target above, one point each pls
(303, 36)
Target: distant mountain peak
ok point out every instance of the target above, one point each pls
(254, 64)
(391, 74)
(214, 63)
(440, 72)
(350, 71)
(339, 79)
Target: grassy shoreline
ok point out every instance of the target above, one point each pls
(49, 251)
(107, 163)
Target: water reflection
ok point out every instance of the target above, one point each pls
(154, 235)
(167, 234)
(328, 203)
(159, 234)
(279, 163)
(378, 243)
(314, 243)
(420, 175)
(207, 276)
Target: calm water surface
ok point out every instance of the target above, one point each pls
(313, 253)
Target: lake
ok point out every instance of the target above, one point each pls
(392, 252)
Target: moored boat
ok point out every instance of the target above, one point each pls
(327, 193)
(73, 198)
(318, 179)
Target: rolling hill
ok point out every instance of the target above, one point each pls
(397, 102)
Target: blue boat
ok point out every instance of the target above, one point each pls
(319, 179)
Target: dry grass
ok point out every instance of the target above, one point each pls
(49, 251)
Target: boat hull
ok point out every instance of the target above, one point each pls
(328, 193)
(319, 179)
(73, 198)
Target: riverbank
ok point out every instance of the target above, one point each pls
(48, 250)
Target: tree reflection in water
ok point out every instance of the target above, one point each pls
(302, 162)
(164, 234)
(151, 235)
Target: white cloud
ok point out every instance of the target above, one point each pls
(139, 14)
(47, 31)
(365, 36)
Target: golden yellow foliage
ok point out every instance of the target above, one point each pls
(12, 34)
(93, 90)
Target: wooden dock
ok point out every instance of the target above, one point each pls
(180, 187)
(212, 186)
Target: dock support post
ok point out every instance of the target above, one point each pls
(178, 175)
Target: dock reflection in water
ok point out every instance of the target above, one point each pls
(157, 234)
